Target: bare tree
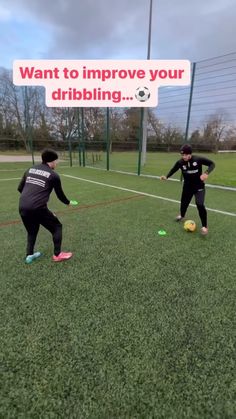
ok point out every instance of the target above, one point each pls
(20, 106)
(64, 123)
(213, 130)
(155, 125)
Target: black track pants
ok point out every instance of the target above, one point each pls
(186, 197)
(32, 219)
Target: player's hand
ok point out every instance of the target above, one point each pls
(204, 176)
(163, 178)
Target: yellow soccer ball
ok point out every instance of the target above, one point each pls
(190, 225)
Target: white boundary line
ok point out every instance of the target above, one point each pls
(12, 178)
(209, 185)
(232, 214)
(11, 170)
(24, 169)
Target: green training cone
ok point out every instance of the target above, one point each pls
(162, 233)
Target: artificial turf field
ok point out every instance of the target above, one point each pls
(135, 325)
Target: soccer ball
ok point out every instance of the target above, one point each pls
(190, 225)
(142, 94)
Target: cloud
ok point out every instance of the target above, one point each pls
(118, 29)
(5, 14)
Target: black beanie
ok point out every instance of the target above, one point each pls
(186, 149)
(48, 155)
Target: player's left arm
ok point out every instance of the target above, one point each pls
(210, 166)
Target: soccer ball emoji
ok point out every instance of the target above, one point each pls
(142, 94)
(190, 225)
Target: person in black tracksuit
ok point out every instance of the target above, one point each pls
(35, 187)
(192, 172)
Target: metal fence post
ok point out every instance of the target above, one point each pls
(108, 137)
(190, 103)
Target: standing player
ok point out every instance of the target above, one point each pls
(191, 167)
(35, 188)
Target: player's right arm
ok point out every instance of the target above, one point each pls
(174, 169)
(59, 191)
(22, 183)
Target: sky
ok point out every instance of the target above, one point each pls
(115, 29)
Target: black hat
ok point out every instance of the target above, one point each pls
(49, 155)
(186, 149)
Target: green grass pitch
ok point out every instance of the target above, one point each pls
(135, 325)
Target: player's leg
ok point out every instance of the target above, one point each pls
(199, 199)
(49, 221)
(186, 197)
(32, 227)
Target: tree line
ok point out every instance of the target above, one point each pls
(24, 117)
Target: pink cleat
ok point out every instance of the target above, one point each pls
(204, 231)
(62, 256)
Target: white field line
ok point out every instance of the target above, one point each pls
(24, 170)
(12, 178)
(232, 214)
(12, 170)
(209, 185)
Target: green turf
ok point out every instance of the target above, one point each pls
(136, 325)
